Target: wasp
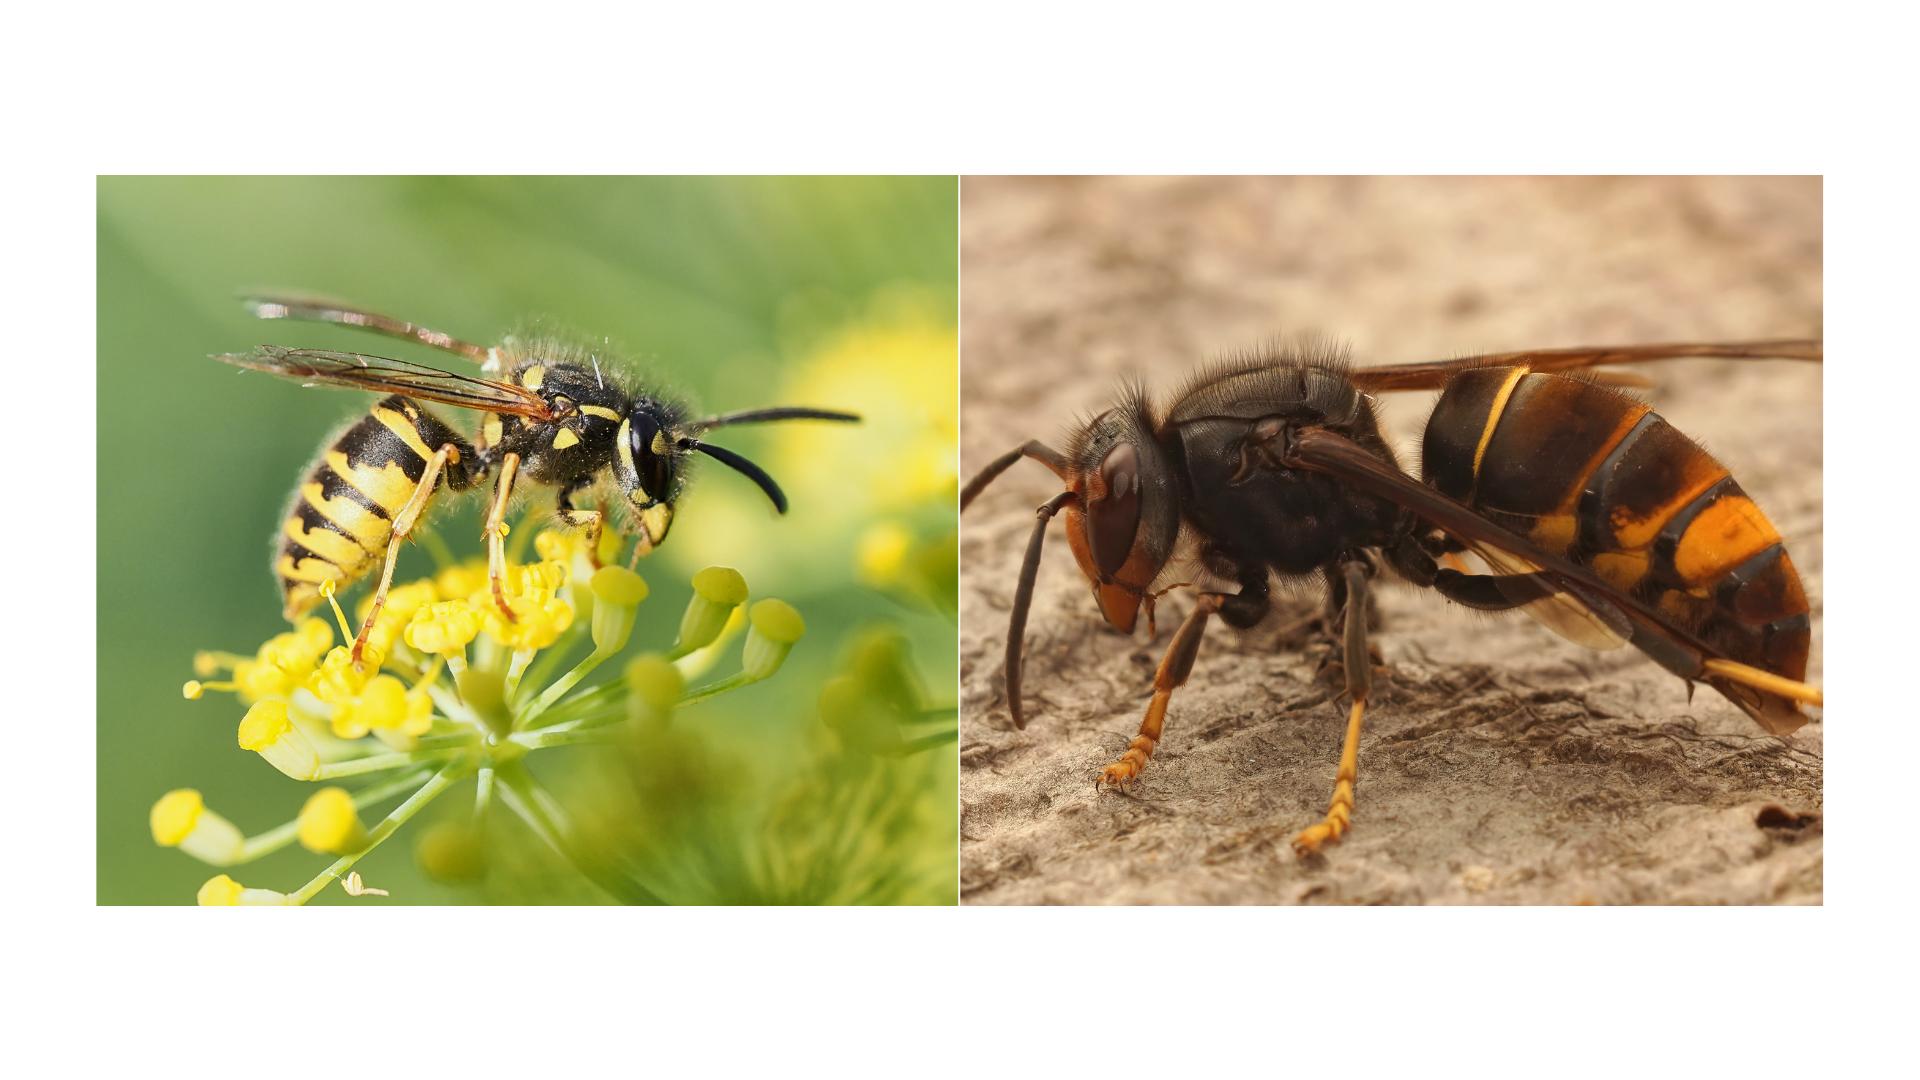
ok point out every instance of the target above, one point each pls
(550, 416)
(1585, 508)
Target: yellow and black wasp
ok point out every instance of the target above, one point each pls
(552, 416)
(1588, 510)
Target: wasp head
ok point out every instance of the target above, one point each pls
(648, 464)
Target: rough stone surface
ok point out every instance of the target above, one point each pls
(1500, 764)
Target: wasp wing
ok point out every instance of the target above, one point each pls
(1433, 375)
(324, 309)
(356, 371)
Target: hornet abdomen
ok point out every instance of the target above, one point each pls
(1600, 479)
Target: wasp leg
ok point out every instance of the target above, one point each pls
(590, 520)
(1174, 669)
(402, 529)
(1765, 680)
(496, 534)
(1359, 685)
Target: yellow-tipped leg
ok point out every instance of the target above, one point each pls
(1174, 669)
(403, 528)
(496, 535)
(1766, 680)
(1359, 685)
(1340, 811)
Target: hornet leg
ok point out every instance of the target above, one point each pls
(1359, 685)
(1174, 669)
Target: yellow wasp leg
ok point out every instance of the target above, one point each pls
(496, 534)
(403, 528)
(1359, 684)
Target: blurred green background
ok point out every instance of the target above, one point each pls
(839, 292)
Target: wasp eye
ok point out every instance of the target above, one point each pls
(651, 459)
(1115, 517)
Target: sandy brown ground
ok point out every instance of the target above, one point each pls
(1500, 764)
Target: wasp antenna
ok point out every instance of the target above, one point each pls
(761, 416)
(1033, 448)
(747, 468)
(1023, 599)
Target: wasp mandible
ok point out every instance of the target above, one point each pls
(551, 415)
(1589, 511)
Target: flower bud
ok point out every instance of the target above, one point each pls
(223, 891)
(776, 626)
(655, 686)
(617, 591)
(329, 825)
(451, 852)
(181, 820)
(267, 731)
(717, 590)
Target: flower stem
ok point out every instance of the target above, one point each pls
(401, 813)
(378, 762)
(567, 737)
(732, 682)
(562, 685)
(520, 791)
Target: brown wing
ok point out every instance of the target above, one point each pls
(355, 371)
(1434, 374)
(322, 309)
(1603, 606)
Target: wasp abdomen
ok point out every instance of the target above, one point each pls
(342, 514)
(1599, 478)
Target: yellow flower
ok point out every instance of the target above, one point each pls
(267, 731)
(776, 626)
(181, 820)
(384, 703)
(337, 680)
(443, 629)
(402, 602)
(283, 663)
(223, 891)
(537, 622)
(329, 825)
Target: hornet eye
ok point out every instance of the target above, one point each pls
(1113, 518)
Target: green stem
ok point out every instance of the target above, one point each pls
(483, 796)
(377, 763)
(562, 685)
(521, 658)
(585, 702)
(523, 794)
(550, 657)
(567, 737)
(928, 742)
(401, 813)
(732, 682)
(274, 839)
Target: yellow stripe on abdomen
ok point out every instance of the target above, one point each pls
(388, 485)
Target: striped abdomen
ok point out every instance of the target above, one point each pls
(1600, 479)
(342, 516)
